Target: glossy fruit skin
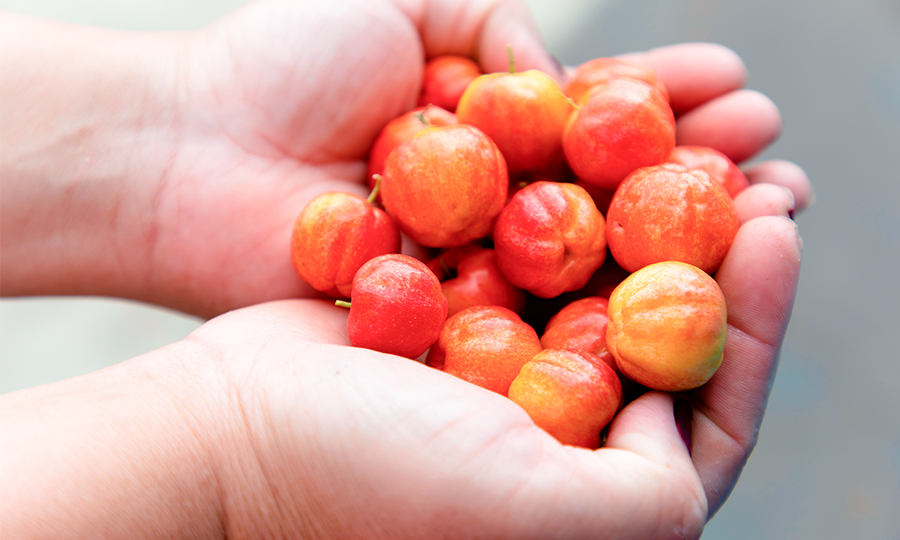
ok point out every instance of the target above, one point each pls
(486, 346)
(570, 394)
(671, 213)
(445, 79)
(622, 126)
(523, 113)
(581, 325)
(602, 70)
(717, 164)
(398, 131)
(667, 326)
(480, 282)
(445, 186)
(334, 235)
(550, 238)
(396, 306)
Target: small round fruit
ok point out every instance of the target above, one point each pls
(667, 326)
(401, 129)
(581, 325)
(485, 345)
(570, 394)
(445, 186)
(602, 70)
(717, 164)
(524, 113)
(480, 282)
(550, 238)
(621, 126)
(396, 306)
(445, 79)
(670, 213)
(334, 235)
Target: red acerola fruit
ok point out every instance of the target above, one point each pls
(550, 238)
(620, 126)
(396, 306)
(445, 79)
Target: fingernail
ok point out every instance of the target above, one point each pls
(684, 419)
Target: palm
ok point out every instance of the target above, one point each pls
(389, 437)
(270, 126)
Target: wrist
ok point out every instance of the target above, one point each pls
(82, 156)
(120, 453)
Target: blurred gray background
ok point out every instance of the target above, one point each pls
(828, 461)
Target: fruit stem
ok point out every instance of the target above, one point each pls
(574, 105)
(512, 59)
(375, 190)
(342, 303)
(421, 116)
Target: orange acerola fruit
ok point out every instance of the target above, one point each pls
(581, 325)
(524, 113)
(550, 238)
(620, 126)
(485, 345)
(334, 235)
(718, 165)
(671, 213)
(401, 129)
(570, 394)
(602, 70)
(445, 79)
(479, 282)
(667, 326)
(445, 186)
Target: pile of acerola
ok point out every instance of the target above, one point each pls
(507, 177)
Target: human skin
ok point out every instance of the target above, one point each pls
(165, 158)
(144, 197)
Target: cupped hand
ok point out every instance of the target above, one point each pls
(327, 440)
(279, 102)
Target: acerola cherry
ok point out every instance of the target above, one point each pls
(396, 306)
(570, 394)
(667, 326)
(401, 129)
(581, 325)
(550, 238)
(445, 79)
(718, 165)
(334, 235)
(671, 213)
(602, 70)
(445, 186)
(620, 126)
(524, 113)
(485, 345)
(479, 282)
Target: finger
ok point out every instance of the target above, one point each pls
(739, 124)
(764, 200)
(759, 280)
(786, 174)
(481, 30)
(694, 73)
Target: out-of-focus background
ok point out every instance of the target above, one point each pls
(827, 465)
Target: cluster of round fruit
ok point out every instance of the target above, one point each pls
(519, 187)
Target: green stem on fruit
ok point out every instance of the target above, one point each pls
(512, 59)
(375, 190)
(342, 303)
(574, 105)
(421, 116)
(447, 270)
